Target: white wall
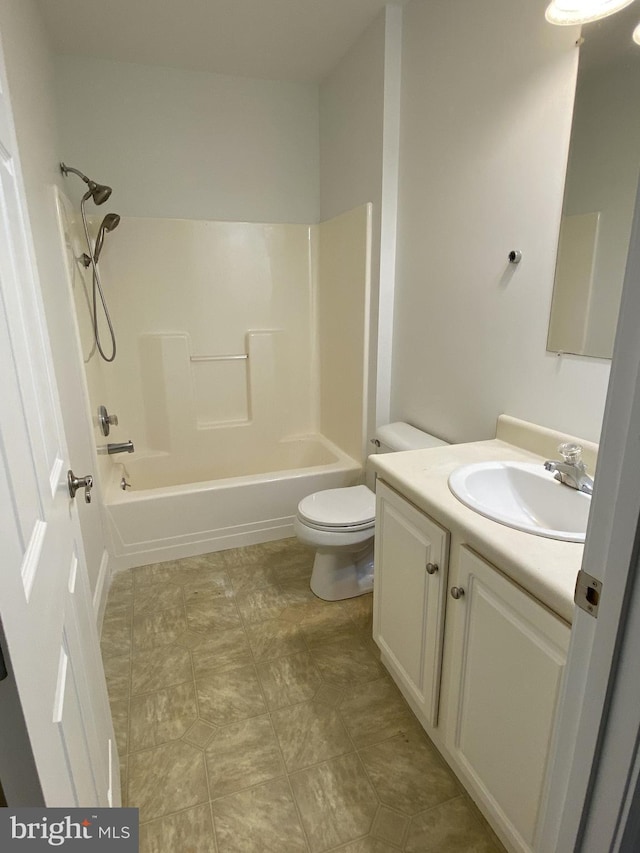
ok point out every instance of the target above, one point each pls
(351, 152)
(182, 288)
(192, 145)
(343, 299)
(30, 72)
(487, 95)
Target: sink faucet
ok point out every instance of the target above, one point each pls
(572, 470)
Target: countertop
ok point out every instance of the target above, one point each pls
(546, 568)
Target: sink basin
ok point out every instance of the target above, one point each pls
(524, 496)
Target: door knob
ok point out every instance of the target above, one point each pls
(76, 483)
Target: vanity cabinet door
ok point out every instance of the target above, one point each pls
(409, 595)
(506, 659)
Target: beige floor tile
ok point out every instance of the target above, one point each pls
(230, 696)
(329, 695)
(360, 610)
(199, 734)
(330, 624)
(261, 820)
(190, 831)
(297, 591)
(167, 779)
(375, 711)
(242, 755)
(302, 611)
(293, 560)
(274, 638)
(115, 639)
(408, 774)
(154, 573)
(190, 640)
(249, 577)
(389, 826)
(257, 605)
(368, 845)
(448, 828)
(148, 598)
(212, 614)
(214, 584)
(198, 570)
(121, 581)
(160, 667)
(163, 716)
(124, 766)
(310, 733)
(158, 629)
(221, 650)
(120, 591)
(288, 680)
(336, 802)
(120, 717)
(117, 671)
(346, 662)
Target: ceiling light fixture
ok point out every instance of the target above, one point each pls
(636, 34)
(566, 13)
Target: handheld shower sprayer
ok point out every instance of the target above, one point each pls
(99, 193)
(110, 222)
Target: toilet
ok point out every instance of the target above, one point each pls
(340, 523)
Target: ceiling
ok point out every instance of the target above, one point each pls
(299, 40)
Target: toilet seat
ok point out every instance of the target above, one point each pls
(348, 509)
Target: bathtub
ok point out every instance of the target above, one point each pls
(185, 507)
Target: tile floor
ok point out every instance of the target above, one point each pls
(252, 717)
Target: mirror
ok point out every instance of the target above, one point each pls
(602, 177)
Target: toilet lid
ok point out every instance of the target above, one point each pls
(354, 505)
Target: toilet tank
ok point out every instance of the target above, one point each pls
(401, 436)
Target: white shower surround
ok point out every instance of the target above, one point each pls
(181, 519)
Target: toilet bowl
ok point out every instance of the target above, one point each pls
(340, 523)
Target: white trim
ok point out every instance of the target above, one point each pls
(102, 590)
(588, 787)
(388, 208)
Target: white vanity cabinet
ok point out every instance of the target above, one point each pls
(411, 562)
(506, 658)
(486, 688)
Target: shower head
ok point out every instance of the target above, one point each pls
(99, 192)
(110, 222)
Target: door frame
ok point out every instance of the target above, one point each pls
(594, 782)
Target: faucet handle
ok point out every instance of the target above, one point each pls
(570, 452)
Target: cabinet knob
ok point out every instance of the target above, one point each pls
(432, 568)
(457, 592)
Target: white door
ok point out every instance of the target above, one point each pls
(45, 605)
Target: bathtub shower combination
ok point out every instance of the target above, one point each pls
(168, 514)
(241, 375)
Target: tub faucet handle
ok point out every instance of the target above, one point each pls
(106, 420)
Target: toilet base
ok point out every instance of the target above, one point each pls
(342, 574)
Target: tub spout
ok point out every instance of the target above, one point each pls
(120, 447)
